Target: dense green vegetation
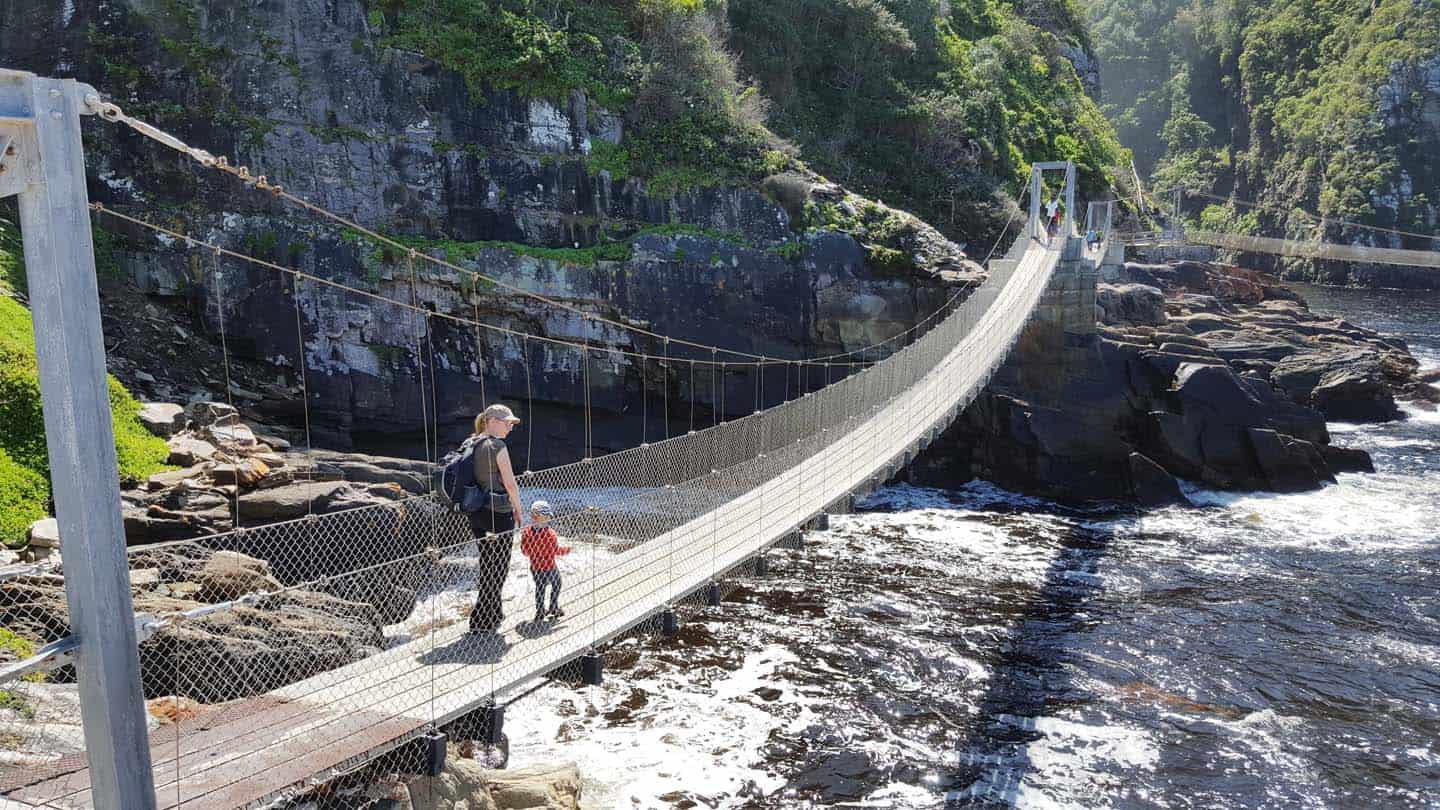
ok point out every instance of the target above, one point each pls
(931, 106)
(24, 466)
(689, 120)
(1300, 105)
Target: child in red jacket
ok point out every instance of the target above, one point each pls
(540, 543)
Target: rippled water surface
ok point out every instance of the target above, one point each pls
(977, 648)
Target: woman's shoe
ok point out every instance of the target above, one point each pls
(556, 612)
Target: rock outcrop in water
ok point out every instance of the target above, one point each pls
(1196, 371)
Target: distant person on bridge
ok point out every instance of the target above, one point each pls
(541, 544)
(1052, 217)
(492, 525)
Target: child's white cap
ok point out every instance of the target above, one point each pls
(541, 507)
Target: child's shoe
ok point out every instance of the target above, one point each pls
(556, 612)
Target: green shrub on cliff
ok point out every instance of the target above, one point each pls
(510, 44)
(662, 63)
(22, 499)
(24, 466)
(929, 106)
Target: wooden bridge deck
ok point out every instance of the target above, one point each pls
(253, 752)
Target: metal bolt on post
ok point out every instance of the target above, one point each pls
(45, 167)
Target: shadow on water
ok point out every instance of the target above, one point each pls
(1029, 678)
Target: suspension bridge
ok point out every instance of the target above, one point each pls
(652, 526)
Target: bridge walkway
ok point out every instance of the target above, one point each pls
(257, 750)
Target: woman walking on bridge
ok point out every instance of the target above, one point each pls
(494, 524)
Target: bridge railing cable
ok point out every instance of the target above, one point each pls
(112, 112)
(359, 616)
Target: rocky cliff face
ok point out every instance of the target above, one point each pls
(492, 182)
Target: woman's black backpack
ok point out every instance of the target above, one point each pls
(455, 479)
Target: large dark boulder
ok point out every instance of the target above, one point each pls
(1226, 431)
(1355, 395)
(1347, 459)
(1130, 304)
(1216, 388)
(1151, 485)
(1345, 384)
(1288, 464)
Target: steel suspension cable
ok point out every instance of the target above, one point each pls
(229, 385)
(479, 340)
(111, 112)
(196, 243)
(529, 408)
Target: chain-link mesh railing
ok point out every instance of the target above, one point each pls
(1314, 249)
(343, 640)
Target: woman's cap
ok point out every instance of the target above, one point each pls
(541, 507)
(501, 412)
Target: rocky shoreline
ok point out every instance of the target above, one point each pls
(1195, 371)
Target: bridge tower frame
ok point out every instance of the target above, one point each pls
(1067, 225)
(42, 162)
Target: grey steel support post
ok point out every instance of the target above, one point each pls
(1068, 227)
(43, 163)
(1037, 228)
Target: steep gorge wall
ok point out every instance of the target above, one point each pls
(498, 183)
(1286, 112)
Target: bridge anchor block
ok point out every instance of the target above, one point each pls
(592, 666)
(435, 746)
(492, 723)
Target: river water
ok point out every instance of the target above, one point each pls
(978, 648)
